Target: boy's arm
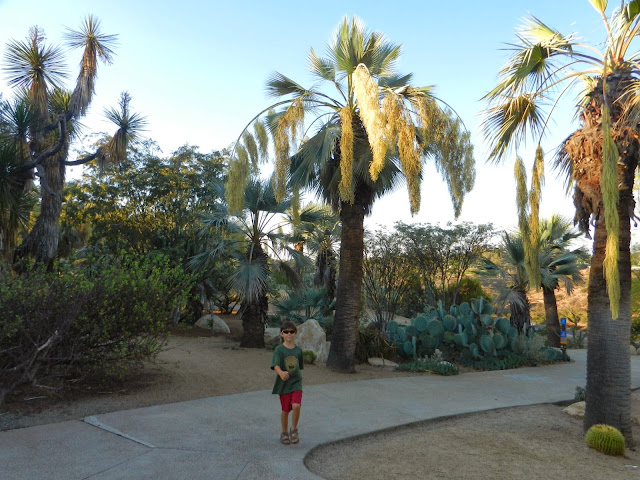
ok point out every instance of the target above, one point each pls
(281, 373)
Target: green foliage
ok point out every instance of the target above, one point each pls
(309, 357)
(580, 395)
(469, 333)
(578, 336)
(605, 439)
(434, 364)
(440, 257)
(101, 318)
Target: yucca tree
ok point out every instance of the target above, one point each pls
(248, 237)
(371, 135)
(599, 158)
(46, 120)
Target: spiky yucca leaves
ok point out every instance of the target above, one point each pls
(37, 68)
(130, 128)
(96, 46)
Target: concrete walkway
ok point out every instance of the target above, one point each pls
(236, 436)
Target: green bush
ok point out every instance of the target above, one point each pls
(309, 356)
(101, 318)
(434, 364)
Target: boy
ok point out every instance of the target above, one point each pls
(287, 363)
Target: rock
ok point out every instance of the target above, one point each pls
(272, 336)
(381, 362)
(311, 336)
(575, 409)
(633, 350)
(214, 322)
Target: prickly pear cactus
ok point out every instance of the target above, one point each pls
(605, 439)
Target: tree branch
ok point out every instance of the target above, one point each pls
(40, 158)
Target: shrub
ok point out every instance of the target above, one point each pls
(103, 318)
(373, 343)
(435, 364)
(308, 357)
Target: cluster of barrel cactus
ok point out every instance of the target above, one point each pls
(469, 329)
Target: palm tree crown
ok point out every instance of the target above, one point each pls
(376, 126)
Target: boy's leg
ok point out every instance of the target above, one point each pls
(295, 416)
(284, 419)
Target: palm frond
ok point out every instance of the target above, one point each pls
(279, 85)
(323, 68)
(506, 123)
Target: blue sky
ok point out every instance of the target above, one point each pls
(197, 70)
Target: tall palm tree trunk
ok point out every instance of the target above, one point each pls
(42, 240)
(254, 309)
(552, 322)
(608, 397)
(348, 294)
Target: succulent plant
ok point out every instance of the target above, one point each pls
(503, 324)
(605, 439)
(449, 323)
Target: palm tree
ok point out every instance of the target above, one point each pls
(368, 138)
(248, 237)
(558, 265)
(512, 271)
(599, 159)
(49, 116)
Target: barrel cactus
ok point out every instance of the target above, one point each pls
(605, 439)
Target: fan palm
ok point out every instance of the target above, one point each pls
(368, 138)
(248, 237)
(558, 266)
(47, 117)
(599, 159)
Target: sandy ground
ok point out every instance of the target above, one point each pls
(538, 442)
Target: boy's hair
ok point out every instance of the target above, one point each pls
(288, 326)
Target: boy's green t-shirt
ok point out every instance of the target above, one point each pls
(289, 360)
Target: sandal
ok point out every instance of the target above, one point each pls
(293, 434)
(284, 438)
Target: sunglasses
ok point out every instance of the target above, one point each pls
(288, 331)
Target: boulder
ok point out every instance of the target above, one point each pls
(214, 322)
(381, 362)
(575, 409)
(311, 336)
(271, 336)
(633, 350)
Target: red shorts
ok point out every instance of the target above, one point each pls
(288, 399)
